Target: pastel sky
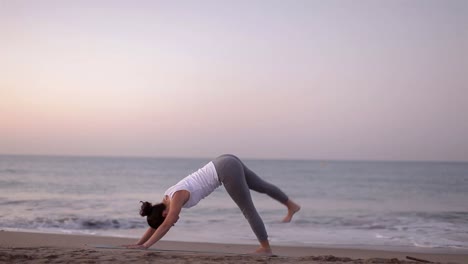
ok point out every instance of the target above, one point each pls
(354, 80)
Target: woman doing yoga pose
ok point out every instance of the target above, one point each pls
(236, 178)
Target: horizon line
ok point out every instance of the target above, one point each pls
(203, 157)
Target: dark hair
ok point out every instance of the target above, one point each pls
(153, 213)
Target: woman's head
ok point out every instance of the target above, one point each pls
(153, 213)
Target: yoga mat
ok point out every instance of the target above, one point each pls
(172, 250)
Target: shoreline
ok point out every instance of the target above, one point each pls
(73, 247)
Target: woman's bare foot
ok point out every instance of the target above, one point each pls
(292, 209)
(263, 251)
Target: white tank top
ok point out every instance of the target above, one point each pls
(200, 184)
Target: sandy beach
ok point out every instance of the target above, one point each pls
(21, 247)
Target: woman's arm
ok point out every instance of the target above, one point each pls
(148, 233)
(178, 200)
(146, 236)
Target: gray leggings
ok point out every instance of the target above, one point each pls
(238, 179)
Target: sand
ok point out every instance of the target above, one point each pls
(23, 247)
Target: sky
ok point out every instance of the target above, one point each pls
(340, 80)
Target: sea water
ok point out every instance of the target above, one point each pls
(344, 203)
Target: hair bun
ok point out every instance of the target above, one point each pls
(146, 208)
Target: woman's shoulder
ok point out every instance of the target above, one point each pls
(180, 197)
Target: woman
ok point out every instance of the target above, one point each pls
(236, 178)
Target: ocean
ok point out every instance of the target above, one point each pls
(344, 203)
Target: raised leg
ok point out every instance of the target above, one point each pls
(259, 185)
